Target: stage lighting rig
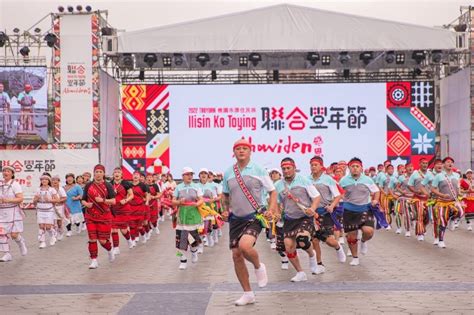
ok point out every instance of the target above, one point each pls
(400, 58)
(313, 58)
(150, 59)
(70, 8)
(390, 57)
(243, 61)
(25, 51)
(166, 61)
(50, 39)
(436, 56)
(127, 60)
(61, 9)
(255, 58)
(203, 59)
(418, 56)
(366, 57)
(326, 60)
(178, 59)
(88, 8)
(225, 59)
(344, 57)
(79, 8)
(3, 39)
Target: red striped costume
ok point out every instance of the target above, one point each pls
(122, 212)
(99, 216)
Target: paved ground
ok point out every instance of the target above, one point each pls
(399, 275)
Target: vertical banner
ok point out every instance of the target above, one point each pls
(76, 78)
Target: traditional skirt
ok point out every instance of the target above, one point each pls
(356, 220)
(11, 220)
(189, 218)
(242, 226)
(293, 227)
(469, 208)
(46, 216)
(99, 230)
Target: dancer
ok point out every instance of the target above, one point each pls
(61, 216)
(44, 200)
(420, 199)
(122, 210)
(74, 194)
(467, 187)
(139, 205)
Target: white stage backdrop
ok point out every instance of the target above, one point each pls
(76, 78)
(30, 164)
(336, 121)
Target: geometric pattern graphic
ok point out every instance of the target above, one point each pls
(410, 121)
(398, 94)
(145, 129)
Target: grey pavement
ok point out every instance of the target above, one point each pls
(399, 275)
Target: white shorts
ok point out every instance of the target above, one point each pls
(46, 217)
(77, 218)
(11, 220)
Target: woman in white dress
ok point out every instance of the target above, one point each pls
(61, 218)
(11, 216)
(44, 200)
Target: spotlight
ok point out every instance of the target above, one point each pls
(225, 59)
(243, 61)
(61, 9)
(312, 57)
(16, 30)
(88, 8)
(127, 60)
(460, 28)
(436, 56)
(50, 39)
(400, 58)
(25, 51)
(202, 59)
(3, 39)
(166, 61)
(276, 75)
(79, 7)
(107, 31)
(418, 56)
(326, 60)
(37, 30)
(366, 57)
(344, 57)
(178, 59)
(141, 75)
(346, 73)
(213, 75)
(390, 57)
(150, 59)
(255, 58)
(70, 8)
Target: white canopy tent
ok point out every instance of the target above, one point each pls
(285, 28)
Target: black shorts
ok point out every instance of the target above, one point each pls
(182, 240)
(292, 227)
(353, 221)
(239, 227)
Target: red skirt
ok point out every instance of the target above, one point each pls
(98, 230)
(469, 210)
(122, 216)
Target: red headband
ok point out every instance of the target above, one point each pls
(317, 160)
(242, 144)
(355, 162)
(288, 163)
(99, 167)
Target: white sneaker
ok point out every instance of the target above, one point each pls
(42, 245)
(340, 255)
(68, 234)
(456, 224)
(204, 241)
(130, 243)
(398, 231)
(143, 237)
(313, 264)
(94, 264)
(200, 249)
(216, 237)
(436, 241)
(342, 241)
(6, 257)
(421, 238)
(273, 246)
(194, 257)
(451, 225)
(354, 262)
(80, 228)
(408, 234)
(469, 227)
(60, 236)
(388, 228)
(116, 251)
(261, 274)
(23, 249)
(219, 233)
(210, 241)
(111, 255)
(245, 299)
(148, 235)
(300, 276)
(52, 241)
(284, 265)
(349, 253)
(319, 270)
(162, 219)
(364, 248)
(183, 266)
(441, 244)
(157, 230)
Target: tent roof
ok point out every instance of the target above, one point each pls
(285, 28)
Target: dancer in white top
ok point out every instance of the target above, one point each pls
(11, 216)
(44, 200)
(59, 208)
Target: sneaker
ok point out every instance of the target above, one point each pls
(111, 255)
(68, 234)
(342, 241)
(408, 234)
(313, 264)
(469, 227)
(261, 274)
(134, 243)
(23, 249)
(116, 251)
(364, 248)
(441, 244)
(388, 228)
(157, 230)
(162, 219)
(60, 236)
(52, 241)
(349, 253)
(94, 264)
(245, 299)
(219, 233)
(436, 241)
(200, 249)
(6, 257)
(398, 231)
(130, 243)
(319, 270)
(183, 265)
(273, 246)
(284, 265)
(456, 223)
(143, 237)
(194, 257)
(354, 262)
(216, 237)
(421, 238)
(451, 225)
(204, 241)
(80, 228)
(300, 276)
(42, 245)
(340, 255)
(210, 241)
(148, 235)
